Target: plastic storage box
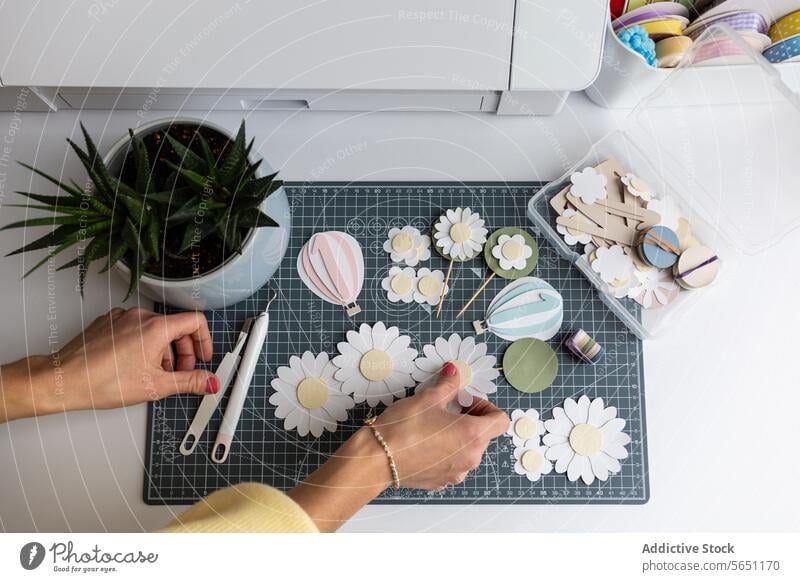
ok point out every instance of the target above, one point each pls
(733, 169)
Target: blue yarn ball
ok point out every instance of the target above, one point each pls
(637, 39)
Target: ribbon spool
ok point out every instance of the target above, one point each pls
(785, 27)
(585, 348)
(670, 51)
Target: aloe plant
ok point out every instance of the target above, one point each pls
(132, 221)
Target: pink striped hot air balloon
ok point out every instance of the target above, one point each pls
(332, 266)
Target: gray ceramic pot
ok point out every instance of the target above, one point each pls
(238, 277)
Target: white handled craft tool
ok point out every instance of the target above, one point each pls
(225, 371)
(256, 334)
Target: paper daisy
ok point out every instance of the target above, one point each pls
(428, 287)
(588, 185)
(475, 368)
(653, 288)
(586, 440)
(308, 397)
(572, 236)
(613, 264)
(408, 245)
(637, 187)
(460, 234)
(525, 426)
(400, 284)
(512, 252)
(531, 460)
(375, 364)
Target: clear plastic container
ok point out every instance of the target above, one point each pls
(735, 173)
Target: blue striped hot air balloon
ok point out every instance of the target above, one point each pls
(528, 307)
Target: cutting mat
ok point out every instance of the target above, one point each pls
(263, 451)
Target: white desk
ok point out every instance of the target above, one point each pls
(722, 392)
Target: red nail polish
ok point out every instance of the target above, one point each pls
(212, 385)
(449, 369)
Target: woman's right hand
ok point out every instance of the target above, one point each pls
(432, 446)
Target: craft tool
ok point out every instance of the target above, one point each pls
(209, 403)
(659, 247)
(585, 347)
(255, 330)
(331, 264)
(513, 248)
(459, 235)
(528, 307)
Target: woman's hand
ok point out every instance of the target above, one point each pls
(432, 447)
(124, 357)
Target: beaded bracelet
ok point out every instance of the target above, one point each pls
(370, 422)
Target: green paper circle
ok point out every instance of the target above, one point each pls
(494, 264)
(530, 365)
(438, 249)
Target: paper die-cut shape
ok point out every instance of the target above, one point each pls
(476, 369)
(400, 284)
(571, 235)
(531, 460)
(525, 426)
(459, 234)
(527, 308)
(308, 397)
(585, 440)
(408, 245)
(512, 252)
(375, 364)
(635, 186)
(428, 286)
(612, 264)
(588, 185)
(653, 288)
(331, 264)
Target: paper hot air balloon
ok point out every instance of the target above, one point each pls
(527, 308)
(331, 264)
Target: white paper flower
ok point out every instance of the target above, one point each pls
(476, 369)
(512, 252)
(525, 426)
(612, 264)
(408, 245)
(637, 187)
(586, 440)
(572, 236)
(668, 210)
(375, 364)
(531, 460)
(308, 396)
(428, 286)
(460, 234)
(653, 288)
(588, 185)
(400, 284)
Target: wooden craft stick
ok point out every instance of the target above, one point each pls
(478, 292)
(623, 236)
(444, 286)
(596, 211)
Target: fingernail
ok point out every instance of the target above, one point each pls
(449, 369)
(212, 385)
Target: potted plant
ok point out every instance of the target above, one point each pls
(180, 207)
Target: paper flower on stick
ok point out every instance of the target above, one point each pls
(459, 234)
(375, 364)
(588, 185)
(585, 440)
(408, 245)
(475, 368)
(512, 251)
(308, 397)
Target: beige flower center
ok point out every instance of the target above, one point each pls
(401, 284)
(532, 461)
(639, 184)
(375, 365)
(511, 250)
(312, 393)
(459, 232)
(429, 286)
(525, 427)
(464, 372)
(585, 439)
(402, 242)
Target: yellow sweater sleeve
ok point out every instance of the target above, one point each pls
(247, 507)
